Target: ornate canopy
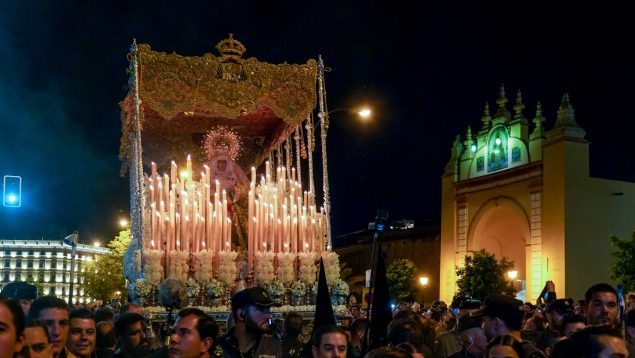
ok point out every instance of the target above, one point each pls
(181, 98)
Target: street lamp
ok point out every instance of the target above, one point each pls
(512, 274)
(423, 280)
(71, 240)
(364, 112)
(123, 223)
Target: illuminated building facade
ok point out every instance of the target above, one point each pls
(528, 196)
(48, 264)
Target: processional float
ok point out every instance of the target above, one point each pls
(220, 156)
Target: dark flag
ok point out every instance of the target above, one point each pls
(381, 313)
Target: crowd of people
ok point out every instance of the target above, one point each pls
(500, 326)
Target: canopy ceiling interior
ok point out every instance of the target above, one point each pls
(182, 98)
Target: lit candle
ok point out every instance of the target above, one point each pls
(173, 176)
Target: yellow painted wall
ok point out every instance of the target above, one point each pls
(448, 239)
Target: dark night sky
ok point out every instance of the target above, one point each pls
(427, 69)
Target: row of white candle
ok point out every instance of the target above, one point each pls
(182, 216)
(281, 217)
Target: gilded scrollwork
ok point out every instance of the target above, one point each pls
(171, 84)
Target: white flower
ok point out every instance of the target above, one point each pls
(178, 265)
(275, 288)
(216, 289)
(192, 287)
(286, 268)
(227, 267)
(143, 288)
(331, 266)
(154, 267)
(298, 289)
(203, 266)
(307, 270)
(340, 288)
(263, 267)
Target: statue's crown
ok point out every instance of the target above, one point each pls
(231, 47)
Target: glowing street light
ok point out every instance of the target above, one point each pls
(97, 243)
(123, 223)
(512, 274)
(423, 280)
(365, 113)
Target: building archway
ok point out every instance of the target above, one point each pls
(501, 227)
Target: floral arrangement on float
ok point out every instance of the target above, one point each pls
(306, 267)
(227, 267)
(263, 268)
(297, 292)
(331, 265)
(275, 288)
(203, 266)
(286, 267)
(192, 287)
(153, 271)
(216, 290)
(178, 267)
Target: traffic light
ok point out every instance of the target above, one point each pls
(12, 193)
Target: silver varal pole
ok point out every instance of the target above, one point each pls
(324, 125)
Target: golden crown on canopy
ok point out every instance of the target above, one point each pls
(231, 47)
(222, 141)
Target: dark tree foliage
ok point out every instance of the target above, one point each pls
(483, 275)
(401, 277)
(623, 267)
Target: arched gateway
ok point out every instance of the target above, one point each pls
(529, 197)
